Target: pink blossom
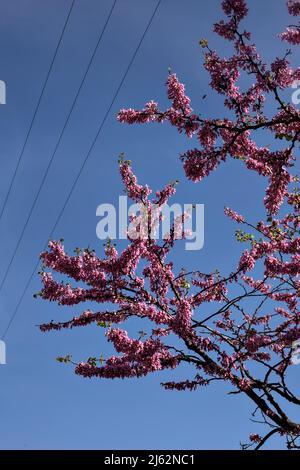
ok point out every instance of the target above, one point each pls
(293, 7)
(239, 326)
(234, 215)
(238, 8)
(291, 35)
(176, 93)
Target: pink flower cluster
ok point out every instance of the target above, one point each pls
(176, 93)
(237, 8)
(237, 327)
(234, 215)
(292, 34)
(138, 358)
(293, 7)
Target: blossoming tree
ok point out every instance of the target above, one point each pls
(246, 343)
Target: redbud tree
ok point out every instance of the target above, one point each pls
(248, 338)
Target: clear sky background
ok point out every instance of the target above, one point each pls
(43, 405)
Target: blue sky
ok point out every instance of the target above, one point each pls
(43, 405)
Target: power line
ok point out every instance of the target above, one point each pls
(35, 112)
(82, 166)
(55, 149)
